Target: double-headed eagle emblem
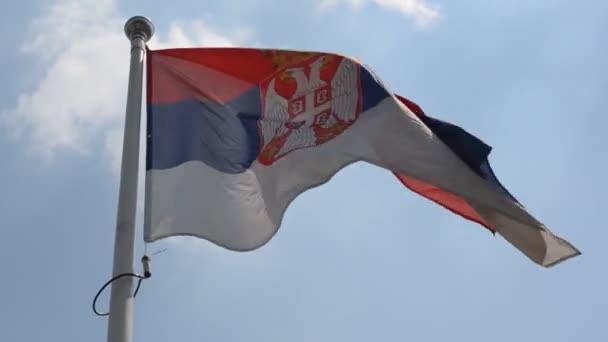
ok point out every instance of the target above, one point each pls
(325, 101)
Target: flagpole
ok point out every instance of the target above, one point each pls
(120, 323)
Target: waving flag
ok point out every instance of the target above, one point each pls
(234, 135)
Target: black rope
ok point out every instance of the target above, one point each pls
(110, 282)
(146, 261)
(137, 287)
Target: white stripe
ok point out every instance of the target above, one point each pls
(195, 199)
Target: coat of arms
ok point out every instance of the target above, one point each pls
(308, 104)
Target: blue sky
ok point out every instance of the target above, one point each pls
(359, 259)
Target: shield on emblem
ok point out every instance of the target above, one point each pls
(308, 104)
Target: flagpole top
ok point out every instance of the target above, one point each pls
(139, 27)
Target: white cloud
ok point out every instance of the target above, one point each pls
(197, 33)
(423, 13)
(80, 97)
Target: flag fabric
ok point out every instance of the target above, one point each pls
(234, 135)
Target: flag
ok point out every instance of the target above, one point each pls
(234, 135)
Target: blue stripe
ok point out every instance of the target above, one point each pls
(373, 91)
(224, 136)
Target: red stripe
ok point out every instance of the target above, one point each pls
(411, 106)
(210, 74)
(250, 65)
(214, 74)
(447, 200)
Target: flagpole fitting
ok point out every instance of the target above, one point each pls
(139, 27)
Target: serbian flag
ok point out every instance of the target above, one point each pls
(234, 135)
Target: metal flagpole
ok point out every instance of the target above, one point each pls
(120, 324)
